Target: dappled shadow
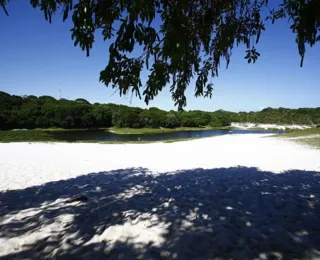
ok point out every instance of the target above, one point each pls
(231, 213)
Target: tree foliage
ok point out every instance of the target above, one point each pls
(45, 111)
(177, 40)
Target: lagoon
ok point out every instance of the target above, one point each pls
(106, 136)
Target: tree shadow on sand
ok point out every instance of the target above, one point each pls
(226, 213)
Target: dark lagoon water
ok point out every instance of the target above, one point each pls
(102, 135)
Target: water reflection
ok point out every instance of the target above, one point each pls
(103, 135)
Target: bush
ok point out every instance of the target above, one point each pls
(171, 121)
(215, 122)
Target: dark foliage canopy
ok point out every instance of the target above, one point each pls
(46, 111)
(179, 40)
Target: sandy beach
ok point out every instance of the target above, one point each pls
(269, 126)
(226, 197)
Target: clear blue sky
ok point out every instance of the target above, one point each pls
(36, 57)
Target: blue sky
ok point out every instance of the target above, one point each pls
(36, 58)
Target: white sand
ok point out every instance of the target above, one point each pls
(269, 126)
(138, 210)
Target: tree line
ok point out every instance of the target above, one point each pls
(45, 111)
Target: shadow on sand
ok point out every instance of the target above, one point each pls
(227, 213)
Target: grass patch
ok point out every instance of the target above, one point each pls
(26, 136)
(56, 129)
(301, 133)
(309, 137)
(139, 131)
(262, 128)
(313, 142)
(180, 140)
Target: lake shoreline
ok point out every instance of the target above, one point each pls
(151, 135)
(127, 130)
(124, 135)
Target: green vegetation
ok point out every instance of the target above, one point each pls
(27, 136)
(52, 135)
(180, 140)
(51, 118)
(46, 136)
(281, 116)
(313, 142)
(310, 137)
(189, 38)
(302, 133)
(45, 112)
(31, 112)
(261, 128)
(138, 131)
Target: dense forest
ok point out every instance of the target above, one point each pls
(45, 111)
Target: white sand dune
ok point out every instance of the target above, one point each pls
(232, 196)
(269, 126)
